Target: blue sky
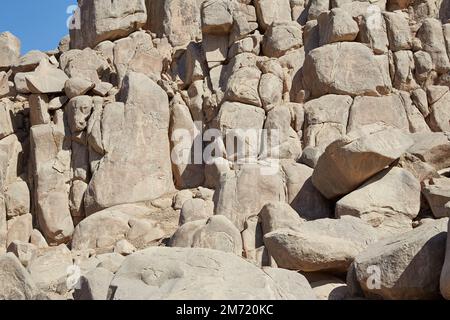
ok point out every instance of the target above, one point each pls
(39, 24)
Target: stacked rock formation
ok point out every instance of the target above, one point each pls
(96, 204)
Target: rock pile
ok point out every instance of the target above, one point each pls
(118, 173)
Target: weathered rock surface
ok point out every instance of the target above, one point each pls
(320, 128)
(321, 245)
(104, 229)
(144, 274)
(131, 132)
(336, 68)
(367, 151)
(17, 283)
(398, 261)
(244, 191)
(437, 193)
(216, 233)
(388, 201)
(105, 20)
(9, 49)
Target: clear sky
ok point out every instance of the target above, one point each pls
(39, 24)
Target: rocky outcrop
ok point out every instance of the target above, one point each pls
(211, 149)
(196, 278)
(395, 262)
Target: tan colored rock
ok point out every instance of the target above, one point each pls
(87, 64)
(216, 17)
(104, 229)
(309, 203)
(38, 239)
(9, 49)
(389, 201)
(254, 249)
(283, 141)
(330, 289)
(440, 114)
(404, 70)
(102, 88)
(320, 245)
(57, 103)
(29, 61)
(436, 92)
(281, 38)
(50, 156)
(270, 90)
(243, 192)
(316, 7)
(297, 285)
(215, 48)
(417, 122)
(78, 111)
(336, 26)
(407, 266)
(421, 170)
(270, 11)
(137, 53)
(367, 151)
(423, 65)
(373, 30)
(49, 269)
(196, 209)
(433, 42)
(20, 82)
(3, 227)
(398, 31)
(46, 79)
(279, 215)
(216, 233)
(124, 248)
(326, 119)
(11, 160)
(4, 84)
(437, 193)
(94, 285)
(135, 129)
(23, 251)
(181, 197)
(76, 199)
(77, 87)
(250, 44)
(39, 109)
(387, 110)
(178, 20)
(243, 86)
(446, 30)
(230, 278)
(104, 20)
(242, 122)
(419, 98)
(329, 69)
(186, 146)
(17, 283)
(6, 126)
(17, 199)
(432, 148)
(19, 228)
